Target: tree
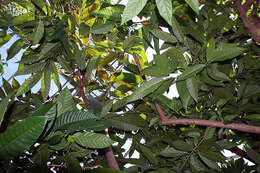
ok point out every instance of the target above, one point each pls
(113, 95)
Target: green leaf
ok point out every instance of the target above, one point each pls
(132, 9)
(92, 65)
(92, 140)
(72, 163)
(209, 163)
(24, 17)
(55, 74)
(106, 108)
(181, 145)
(215, 74)
(165, 10)
(167, 37)
(29, 83)
(21, 136)
(253, 117)
(194, 4)
(225, 52)
(38, 33)
(192, 86)
(197, 164)
(129, 41)
(145, 89)
(183, 93)
(69, 118)
(89, 124)
(191, 71)
(147, 153)
(102, 28)
(65, 102)
(3, 106)
(7, 86)
(14, 49)
(126, 126)
(48, 49)
(30, 68)
(172, 152)
(176, 28)
(46, 83)
(214, 156)
(104, 170)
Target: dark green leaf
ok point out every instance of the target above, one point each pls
(29, 83)
(191, 71)
(164, 36)
(172, 152)
(38, 33)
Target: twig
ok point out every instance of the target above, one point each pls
(82, 91)
(139, 66)
(195, 148)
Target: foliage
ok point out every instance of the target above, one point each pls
(112, 94)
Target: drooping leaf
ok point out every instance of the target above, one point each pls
(21, 136)
(55, 74)
(3, 106)
(194, 4)
(209, 163)
(181, 145)
(102, 28)
(192, 86)
(197, 164)
(190, 71)
(92, 140)
(7, 86)
(38, 33)
(29, 83)
(14, 49)
(106, 108)
(92, 65)
(46, 83)
(183, 93)
(147, 153)
(177, 29)
(132, 9)
(165, 10)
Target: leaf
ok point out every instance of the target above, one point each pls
(104, 170)
(92, 65)
(147, 153)
(89, 124)
(68, 118)
(106, 108)
(7, 86)
(48, 48)
(14, 49)
(145, 89)
(132, 9)
(214, 156)
(46, 83)
(192, 86)
(190, 71)
(165, 10)
(167, 37)
(28, 84)
(176, 28)
(65, 102)
(55, 74)
(129, 41)
(215, 74)
(72, 163)
(225, 52)
(102, 28)
(183, 93)
(181, 145)
(41, 5)
(253, 117)
(194, 4)
(3, 106)
(197, 164)
(92, 140)
(38, 33)
(21, 136)
(172, 152)
(209, 163)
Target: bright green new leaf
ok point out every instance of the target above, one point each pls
(194, 4)
(21, 136)
(3, 106)
(165, 10)
(190, 71)
(38, 33)
(92, 140)
(29, 83)
(132, 9)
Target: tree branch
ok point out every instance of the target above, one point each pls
(233, 126)
(252, 26)
(111, 160)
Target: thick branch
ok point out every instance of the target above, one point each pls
(233, 126)
(241, 153)
(252, 26)
(111, 160)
